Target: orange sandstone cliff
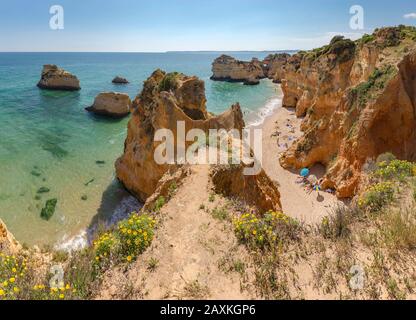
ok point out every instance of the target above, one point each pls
(358, 101)
(165, 100)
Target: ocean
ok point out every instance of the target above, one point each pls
(48, 140)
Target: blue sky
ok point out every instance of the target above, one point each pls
(177, 25)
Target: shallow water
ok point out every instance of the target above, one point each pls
(48, 140)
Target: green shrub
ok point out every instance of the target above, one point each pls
(19, 281)
(377, 196)
(169, 82)
(160, 202)
(344, 50)
(135, 234)
(337, 224)
(265, 232)
(395, 169)
(399, 230)
(377, 81)
(386, 158)
(104, 248)
(220, 213)
(367, 38)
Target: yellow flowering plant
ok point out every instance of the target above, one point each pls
(395, 169)
(43, 292)
(17, 282)
(104, 248)
(135, 234)
(265, 231)
(12, 276)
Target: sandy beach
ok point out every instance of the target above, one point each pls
(280, 130)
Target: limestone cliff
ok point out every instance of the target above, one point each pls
(165, 100)
(55, 78)
(273, 66)
(358, 99)
(8, 243)
(226, 68)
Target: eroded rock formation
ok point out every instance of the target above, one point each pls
(226, 68)
(273, 66)
(55, 78)
(165, 100)
(257, 190)
(358, 99)
(8, 243)
(111, 104)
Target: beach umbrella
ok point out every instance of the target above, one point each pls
(313, 180)
(304, 172)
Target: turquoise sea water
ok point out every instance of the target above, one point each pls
(48, 140)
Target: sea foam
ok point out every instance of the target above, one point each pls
(126, 206)
(257, 117)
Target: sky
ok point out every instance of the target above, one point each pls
(190, 25)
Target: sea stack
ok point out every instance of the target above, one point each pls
(226, 68)
(120, 80)
(165, 100)
(55, 78)
(111, 104)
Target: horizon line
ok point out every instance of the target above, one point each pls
(170, 51)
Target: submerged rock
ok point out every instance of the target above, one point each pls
(35, 173)
(120, 80)
(49, 209)
(111, 104)
(89, 182)
(55, 78)
(43, 190)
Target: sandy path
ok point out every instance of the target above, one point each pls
(280, 128)
(189, 245)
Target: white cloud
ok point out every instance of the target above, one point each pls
(410, 15)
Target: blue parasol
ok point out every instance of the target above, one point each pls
(304, 172)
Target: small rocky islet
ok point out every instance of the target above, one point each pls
(227, 68)
(111, 104)
(120, 80)
(55, 78)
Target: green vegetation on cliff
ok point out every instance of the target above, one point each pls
(376, 83)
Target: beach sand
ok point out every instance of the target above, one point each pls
(280, 130)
